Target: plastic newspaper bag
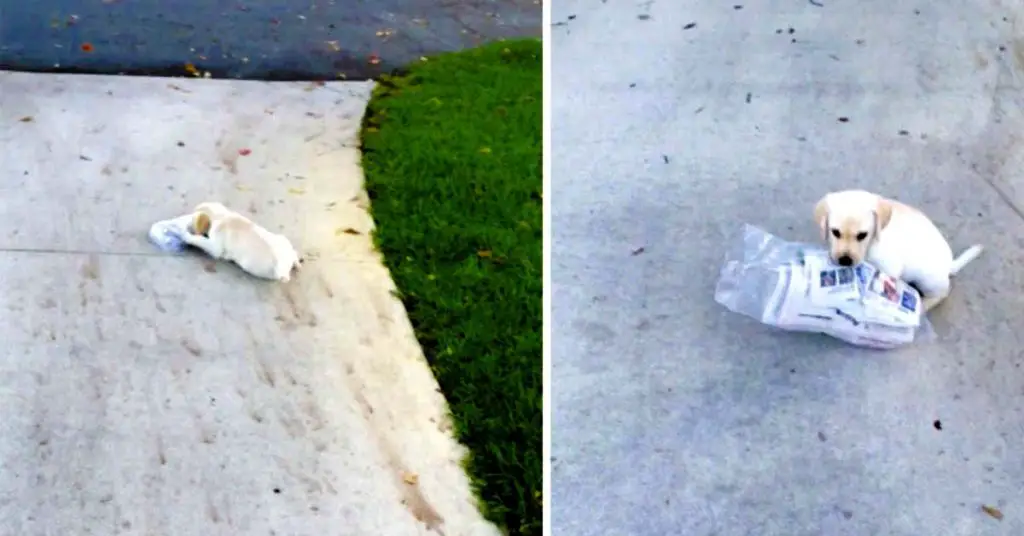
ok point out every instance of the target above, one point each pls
(167, 234)
(796, 287)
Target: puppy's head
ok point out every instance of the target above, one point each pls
(850, 222)
(201, 224)
(211, 208)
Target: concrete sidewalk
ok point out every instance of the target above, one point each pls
(672, 126)
(155, 394)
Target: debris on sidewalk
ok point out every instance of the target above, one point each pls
(992, 511)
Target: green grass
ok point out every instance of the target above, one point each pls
(452, 155)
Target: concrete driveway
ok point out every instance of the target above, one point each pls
(672, 126)
(146, 393)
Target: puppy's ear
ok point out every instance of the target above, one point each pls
(821, 216)
(883, 213)
(201, 224)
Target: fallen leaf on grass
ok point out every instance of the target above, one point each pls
(992, 511)
(410, 478)
(347, 230)
(483, 254)
(27, 119)
(296, 191)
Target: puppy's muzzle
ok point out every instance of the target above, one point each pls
(845, 260)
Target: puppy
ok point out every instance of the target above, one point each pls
(898, 239)
(225, 234)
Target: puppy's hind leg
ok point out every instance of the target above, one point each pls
(933, 296)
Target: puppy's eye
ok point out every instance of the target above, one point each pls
(861, 236)
(835, 233)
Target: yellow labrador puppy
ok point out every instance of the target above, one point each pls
(225, 234)
(899, 239)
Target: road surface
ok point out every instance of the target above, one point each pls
(250, 39)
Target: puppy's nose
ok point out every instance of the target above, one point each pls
(845, 260)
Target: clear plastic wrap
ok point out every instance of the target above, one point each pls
(796, 287)
(167, 234)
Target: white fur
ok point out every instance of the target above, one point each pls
(909, 247)
(235, 238)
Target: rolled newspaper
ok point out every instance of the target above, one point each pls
(797, 287)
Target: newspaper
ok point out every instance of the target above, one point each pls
(167, 234)
(858, 304)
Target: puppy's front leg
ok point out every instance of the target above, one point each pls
(203, 243)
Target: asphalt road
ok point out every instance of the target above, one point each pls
(256, 39)
(673, 125)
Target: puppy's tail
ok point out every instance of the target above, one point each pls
(966, 257)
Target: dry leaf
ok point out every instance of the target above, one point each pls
(191, 69)
(346, 230)
(296, 191)
(27, 119)
(484, 253)
(410, 478)
(992, 511)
